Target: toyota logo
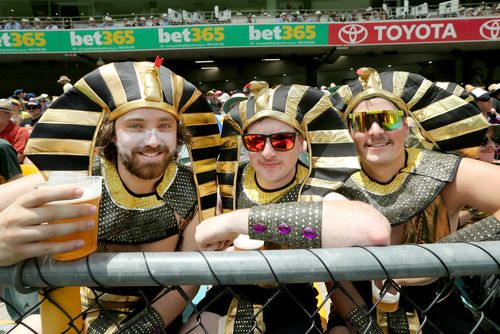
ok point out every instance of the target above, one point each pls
(490, 29)
(353, 33)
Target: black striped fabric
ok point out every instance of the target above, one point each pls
(297, 101)
(113, 86)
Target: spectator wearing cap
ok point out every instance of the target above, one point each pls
(92, 24)
(50, 24)
(142, 22)
(65, 82)
(16, 110)
(296, 17)
(19, 94)
(37, 23)
(13, 133)
(108, 22)
(483, 101)
(25, 24)
(317, 16)
(34, 108)
(164, 20)
(283, 18)
(12, 24)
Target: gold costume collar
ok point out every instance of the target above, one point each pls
(255, 194)
(121, 195)
(412, 160)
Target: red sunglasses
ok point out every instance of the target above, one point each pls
(283, 141)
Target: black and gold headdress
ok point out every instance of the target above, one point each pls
(64, 138)
(331, 151)
(444, 121)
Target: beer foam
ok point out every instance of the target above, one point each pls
(388, 297)
(91, 186)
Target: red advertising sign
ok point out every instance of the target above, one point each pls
(414, 31)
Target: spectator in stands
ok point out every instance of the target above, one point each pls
(25, 24)
(482, 100)
(367, 14)
(9, 163)
(12, 24)
(274, 136)
(155, 22)
(283, 18)
(250, 18)
(317, 16)
(296, 17)
(159, 210)
(13, 133)
(306, 18)
(108, 22)
(392, 180)
(50, 24)
(127, 23)
(375, 15)
(16, 110)
(37, 23)
(34, 108)
(65, 82)
(19, 94)
(92, 24)
(353, 16)
(165, 20)
(384, 16)
(334, 17)
(142, 22)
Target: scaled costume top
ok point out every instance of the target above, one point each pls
(282, 311)
(412, 190)
(129, 219)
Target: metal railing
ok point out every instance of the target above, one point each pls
(247, 16)
(281, 267)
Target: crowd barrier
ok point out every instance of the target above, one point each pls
(456, 264)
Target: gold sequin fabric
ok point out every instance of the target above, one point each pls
(487, 229)
(411, 191)
(249, 194)
(138, 220)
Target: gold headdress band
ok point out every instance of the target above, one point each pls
(65, 135)
(331, 151)
(445, 121)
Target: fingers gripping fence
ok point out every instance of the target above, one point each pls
(469, 271)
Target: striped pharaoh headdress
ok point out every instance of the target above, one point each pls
(65, 135)
(331, 151)
(443, 120)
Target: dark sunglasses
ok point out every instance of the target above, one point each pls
(32, 108)
(388, 120)
(283, 141)
(495, 140)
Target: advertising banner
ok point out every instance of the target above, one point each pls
(414, 31)
(251, 35)
(169, 37)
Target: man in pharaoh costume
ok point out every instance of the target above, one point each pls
(283, 201)
(149, 202)
(420, 191)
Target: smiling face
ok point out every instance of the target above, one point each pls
(146, 141)
(274, 169)
(379, 149)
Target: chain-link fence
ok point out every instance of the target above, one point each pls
(262, 291)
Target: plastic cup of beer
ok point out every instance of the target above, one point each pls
(389, 302)
(92, 187)
(244, 243)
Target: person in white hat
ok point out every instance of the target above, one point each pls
(65, 82)
(92, 23)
